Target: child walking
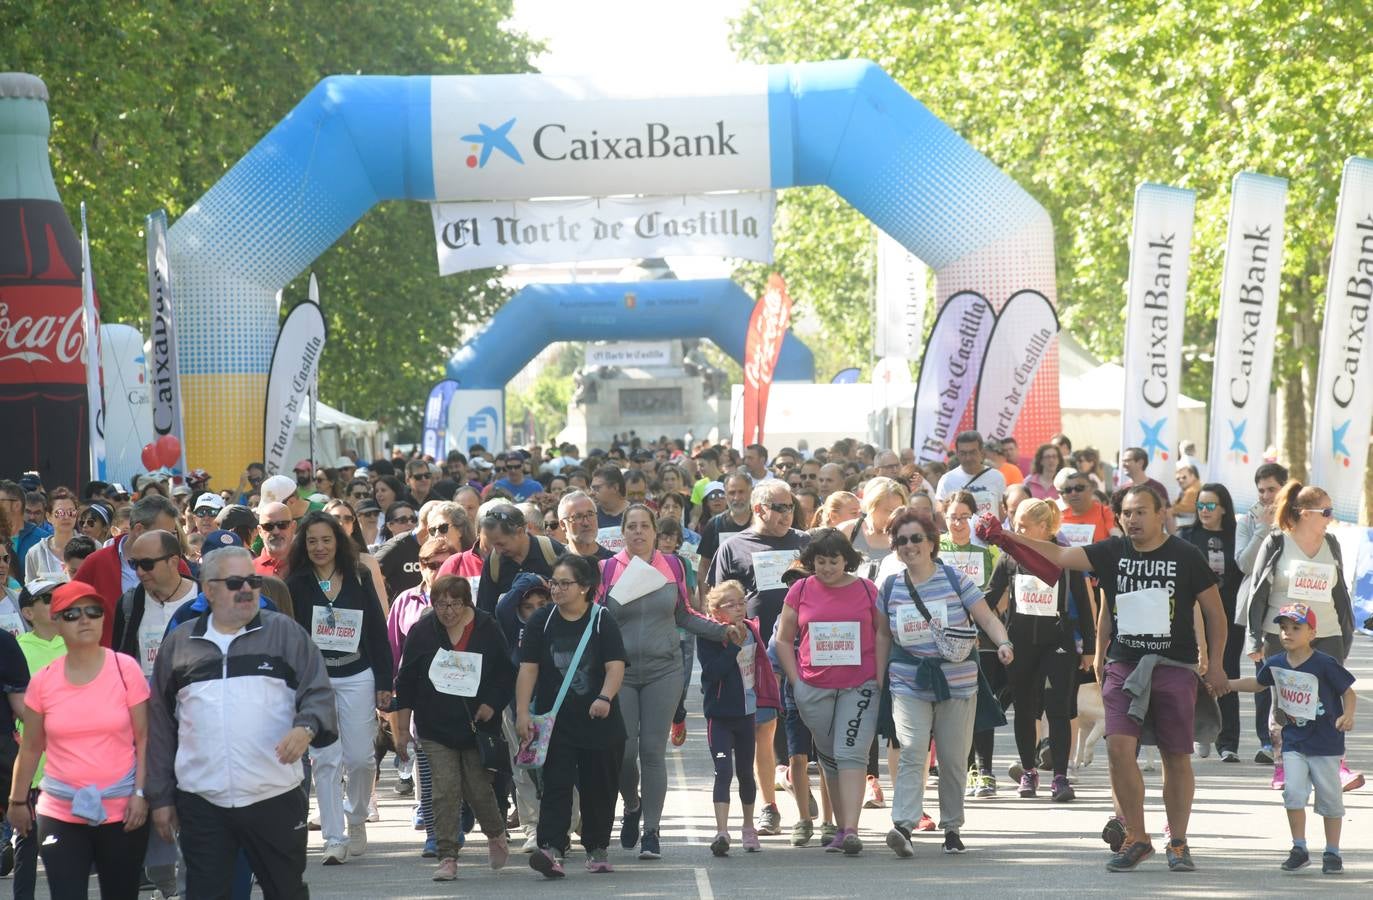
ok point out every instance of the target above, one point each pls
(735, 681)
(1314, 704)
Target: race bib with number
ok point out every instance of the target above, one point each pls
(1145, 611)
(971, 563)
(1298, 694)
(343, 635)
(456, 673)
(1035, 598)
(1078, 535)
(1310, 582)
(834, 644)
(768, 566)
(745, 660)
(11, 622)
(911, 627)
(611, 537)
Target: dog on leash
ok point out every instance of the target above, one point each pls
(1091, 725)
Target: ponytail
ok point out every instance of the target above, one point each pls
(1293, 498)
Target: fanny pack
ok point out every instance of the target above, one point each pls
(954, 642)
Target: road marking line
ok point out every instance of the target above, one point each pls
(679, 775)
(703, 885)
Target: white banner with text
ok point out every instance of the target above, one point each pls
(901, 299)
(1024, 332)
(948, 373)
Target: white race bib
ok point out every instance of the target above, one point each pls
(1145, 611)
(1298, 693)
(1215, 559)
(1035, 598)
(343, 635)
(834, 644)
(11, 622)
(474, 581)
(1077, 535)
(768, 566)
(745, 661)
(1310, 582)
(149, 639)
(456, 672)
(970, 563)
(911, 627)
(611, 537)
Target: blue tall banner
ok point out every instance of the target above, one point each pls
(845, 376)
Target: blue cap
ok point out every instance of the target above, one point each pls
(219, 539)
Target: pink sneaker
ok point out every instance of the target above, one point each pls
(598, 863)
(1350, 781)
(498, 850)
(750, 840)
(546, 864)
(1279, 779)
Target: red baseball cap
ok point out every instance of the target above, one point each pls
(1297, 612)
(72, 593)
(304, 466)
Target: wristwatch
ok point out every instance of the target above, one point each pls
(308, 730)
(138, 792)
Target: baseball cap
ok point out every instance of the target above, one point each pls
(217, 540)
(197, 475)
(181, 490)
(362, 472)
(345, 462)
(236, 515)
(72, 593)
(210, 501)
(1297, 612)
(277, 489)
(303, 466)
(483, 464)
(714, 487)
(368, 507)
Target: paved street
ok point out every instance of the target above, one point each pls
(1017, 847)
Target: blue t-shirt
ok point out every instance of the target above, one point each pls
(522, 491)
(1292, 694)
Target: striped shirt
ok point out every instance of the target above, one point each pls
(943, 600)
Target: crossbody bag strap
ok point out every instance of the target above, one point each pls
(576, 659)
(915, 595)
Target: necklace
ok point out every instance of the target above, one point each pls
(325, 584)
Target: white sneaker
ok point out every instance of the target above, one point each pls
(335, 853)
(373, 814)
(531, 844)
(1203, 750)
(357, 839)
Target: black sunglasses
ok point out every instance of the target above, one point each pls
(1074, 489)
(275, 526)
(147, 565)
(73, 613)
(781, 507)
(421, 476)
(441, 528)
(402, 520)
(236, 582)
(360, 495)
(903, 540)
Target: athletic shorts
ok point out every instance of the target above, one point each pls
(1172, 705)
(764, 715)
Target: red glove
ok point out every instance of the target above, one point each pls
(989, 530)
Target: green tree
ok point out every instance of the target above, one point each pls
(153, 101)
(1080, 102)
(547, 398)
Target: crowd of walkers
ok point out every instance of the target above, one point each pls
(517, 633)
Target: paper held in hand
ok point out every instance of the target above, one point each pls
(637, 579)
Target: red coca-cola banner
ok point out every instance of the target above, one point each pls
(766, 328)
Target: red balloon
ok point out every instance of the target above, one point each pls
(149, 457)
(168, 450)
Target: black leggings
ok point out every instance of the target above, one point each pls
(1034, 665)
(69, 850)
(731, 742)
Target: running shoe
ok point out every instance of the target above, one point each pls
(357, 839)
(781, 779)
(1332, 864)
(1297, 858)
(1202, 750)
(1279, 778)
(720, 846)
(373, 814)
(802, 832)
(1264, 756)
(925, 823)
(546, 864)
(1350, 781)
(971, 790)
(1129, 856)
(431, 849)
(872, 798)
(335, 853)
(750, 841)
(827, 832)
(629, 827)
(678, 733)
(650, 848)
(1180, 857)
(899, 840)
(1229, 756)
(1015, 771)
(531, 844)
(769, 820)
(498, 850)
(853, 844)
(598, 862)
(447, 870)
(953, 843)
(986, 785)
(1029, 783)
(836, 844)
(405, 787)
(1061, 791)
(1114, 833)
(312, 823)
(416, 819)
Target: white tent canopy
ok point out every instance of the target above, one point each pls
(335, 432)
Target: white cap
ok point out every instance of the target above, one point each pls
(209, 500)
(345, 462)
(277, 489)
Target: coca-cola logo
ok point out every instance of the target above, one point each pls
(35, 339)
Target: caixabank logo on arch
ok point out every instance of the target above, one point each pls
(522, 136)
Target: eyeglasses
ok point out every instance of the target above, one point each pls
(967, 518)
(1326, 513)
(1074, 489)
(421, 476)
(904, 539)
(580, 517)
(780, 507)
(74, 613)
(346, 521)
(275, 526)
(1209, 506)
(562, 584)
(236, 582)
(402, 520)
(447, 604)
(436, 530)
(148, 564)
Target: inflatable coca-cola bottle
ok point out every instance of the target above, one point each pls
(43, 416)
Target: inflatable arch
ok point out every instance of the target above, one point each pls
(357, 140)
(542, 314)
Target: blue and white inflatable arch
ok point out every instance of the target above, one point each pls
(357, 140)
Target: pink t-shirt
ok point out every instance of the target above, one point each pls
(89, 729)
(831, 621)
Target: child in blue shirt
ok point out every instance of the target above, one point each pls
(1314, 703)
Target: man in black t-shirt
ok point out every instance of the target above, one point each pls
(737, 516)
(1152, 583)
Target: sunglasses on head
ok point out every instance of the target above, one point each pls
(148, 564)
(73, 613)
(904, 539)
(236, 582)
(275, 526)
(436, 530)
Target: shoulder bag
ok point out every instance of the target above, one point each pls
(534, 752)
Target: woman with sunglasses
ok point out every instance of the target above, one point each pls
(94, 522)
(326, 482)
(400, 519)
(44, 559)
(334, 599)
(1301, 563)
(89, 713)
(456, 675)
(342, 511)
(1214, 535)
(931, 696)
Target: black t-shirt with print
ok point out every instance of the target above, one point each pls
(399, 560)
(551, 641)
(1175, 566)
